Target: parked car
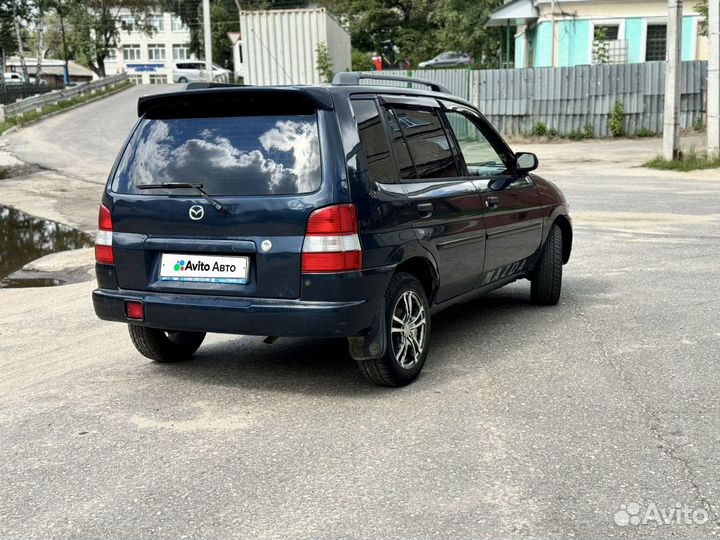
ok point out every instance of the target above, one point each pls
(345, 210)
(13, 78)
(17, 78)
(447, 59)
(194, 71)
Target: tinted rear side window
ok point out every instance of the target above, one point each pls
(241, 155)
(428, 142)
(374, 142)
(405, 164)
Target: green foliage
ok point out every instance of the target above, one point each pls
(361, 61)
(617, 119)
(689, 161)
(324, 62)
(644, 132)
(410, 31)
(552, 133)
(702, 8)
(576, 135)
(588, 132)
(539, 129)
(601, 50)
(93, 30)
(699, 125)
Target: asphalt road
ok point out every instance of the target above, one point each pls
(526, 421)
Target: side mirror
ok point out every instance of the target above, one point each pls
(525, 162)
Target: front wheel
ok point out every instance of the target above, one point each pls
(546, 280)
(165, 345)
(182, 80)
(407, 326)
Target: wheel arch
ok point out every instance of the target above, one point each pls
(424, 271)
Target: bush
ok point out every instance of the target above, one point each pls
(324, 62)
(552, 132)
(539, 129)
(698, 124)
(588, 131)
(644, 132)
(576, 135)
(362, 61)
(617, 119)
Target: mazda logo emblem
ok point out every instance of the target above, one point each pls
(196, 212)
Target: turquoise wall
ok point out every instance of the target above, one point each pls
(688, 38)
(519, 51)
(634, 34)
(573, 42)
(543, 45)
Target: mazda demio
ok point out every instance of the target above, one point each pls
(345, 210)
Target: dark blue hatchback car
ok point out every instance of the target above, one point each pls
(344, 210)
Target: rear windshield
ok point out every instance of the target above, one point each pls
(240, 155)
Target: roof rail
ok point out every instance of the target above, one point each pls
(349, 78)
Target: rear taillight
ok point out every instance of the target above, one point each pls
(103, 239)
(331, 241)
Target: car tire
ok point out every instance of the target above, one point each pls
(182, 80)
(165, 346)
(407, 326)
(546, 280)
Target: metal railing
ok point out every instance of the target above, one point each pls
(37, 102)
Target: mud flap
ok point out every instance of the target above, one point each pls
(372, 344)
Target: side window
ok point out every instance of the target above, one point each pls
(480, 157)
(427, 142)
(373, 140)
(405, 164)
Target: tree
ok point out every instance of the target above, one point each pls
(702, 9)
(223, 19)
(461, 27)
(19, 14)
(324, 62)
(94, 30)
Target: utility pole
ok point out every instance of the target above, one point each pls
(713, 102)
(66, 71)
(208, 41)
(552, 33)
(671, 117)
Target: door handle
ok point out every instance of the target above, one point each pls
(425, 209)
(492, 202)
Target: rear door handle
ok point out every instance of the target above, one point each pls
(425, 209)
(492, 202)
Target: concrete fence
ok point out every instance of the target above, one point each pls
(37, 102)
(567, 99)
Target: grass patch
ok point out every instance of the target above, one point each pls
(33, 116)
(689, 161)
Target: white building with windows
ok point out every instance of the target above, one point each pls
(149, 59)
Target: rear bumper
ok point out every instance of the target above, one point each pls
(352, 315)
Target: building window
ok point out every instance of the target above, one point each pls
(180, 52)
(135, 79)
(158, 79)
(111, 54)
(131, 52)
(655, 42)
(156, 52)
(128, 23)
(157, 22)
(606, 32)
(177, 24)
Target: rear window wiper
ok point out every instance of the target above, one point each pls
(186, 185)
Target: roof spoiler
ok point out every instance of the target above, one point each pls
(318, 96)
(348, 78)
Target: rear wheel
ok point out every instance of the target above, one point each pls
(546, 281)
(407, 328)
(182, 80)
(165, 345)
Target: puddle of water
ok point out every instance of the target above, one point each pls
(24, 238)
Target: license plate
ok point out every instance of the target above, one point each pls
(204, 268)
